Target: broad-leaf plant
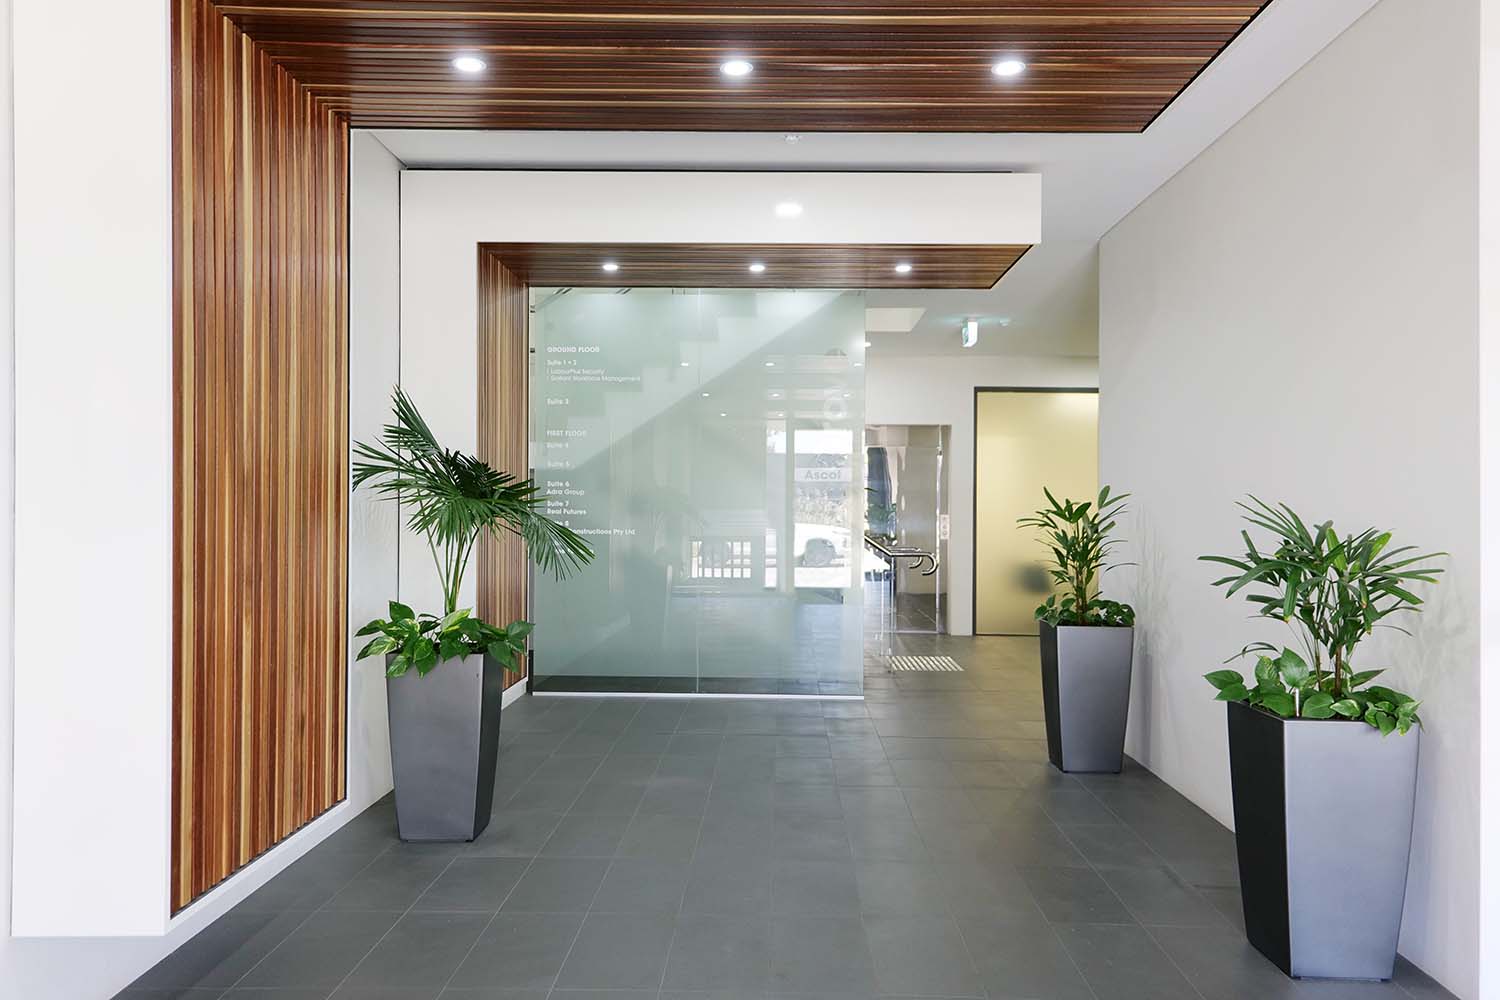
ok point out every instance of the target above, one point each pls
(1333, 591)
(454, 499)
(1078, 533)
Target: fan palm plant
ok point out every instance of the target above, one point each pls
(1333, 591)
(454, 499)
(1078, 534)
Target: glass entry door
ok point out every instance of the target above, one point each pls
(906, 510)
(709, 445)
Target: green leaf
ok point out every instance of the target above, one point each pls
(503, 652)
(1364, 677)
(1380, 720)
(1294, 669)
(378, 647)
(426, 657)
(1347, 707)
(1222, 679)
(399, 665)
(400, 612)
(519, 629)
(1233, 692)
(1281, 704)
(378, 625)
(1318, 706)
(453, 618)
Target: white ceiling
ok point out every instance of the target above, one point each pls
(1048, 303)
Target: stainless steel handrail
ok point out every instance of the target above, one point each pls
(916, 555)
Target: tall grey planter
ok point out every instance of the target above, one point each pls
(1322, 815)
(1086, 694)
(445, 737)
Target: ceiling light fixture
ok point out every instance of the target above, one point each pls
(1008, 67)
(610, 266)
(737, 67)
(683, 364)
(792, 138)
(788, 209)
(757, 268)
(723, 414)
(867, 343)
(903, 268)
(770, 364)
(970, 333)
(469, 64)
(703, 394)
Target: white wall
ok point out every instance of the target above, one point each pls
(1489, 552)
(86, 197)
(374, 370)
(93, 467)
(445, 214)
(1295, 314)
(940, 390)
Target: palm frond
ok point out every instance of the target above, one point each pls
(453, 498)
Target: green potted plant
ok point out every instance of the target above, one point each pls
(444, 672)
(1087, 641)
(1323, 761)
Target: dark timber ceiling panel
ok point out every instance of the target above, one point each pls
(820, 65)
(727, 265)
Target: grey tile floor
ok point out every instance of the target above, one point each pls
(915, 844)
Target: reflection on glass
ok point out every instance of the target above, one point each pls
(1024, 441)
(709, 445)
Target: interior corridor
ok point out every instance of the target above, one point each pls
(912, 844)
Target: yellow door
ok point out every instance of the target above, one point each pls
(1024, 441)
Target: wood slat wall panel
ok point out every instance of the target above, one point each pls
(260, 443)
(726, 265)
(504, 374)
(893, 65)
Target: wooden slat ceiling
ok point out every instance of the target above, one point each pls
(820, 65)
(727, 265)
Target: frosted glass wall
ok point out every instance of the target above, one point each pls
(709, 445)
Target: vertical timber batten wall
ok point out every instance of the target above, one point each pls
(260, 442)
(503, 377)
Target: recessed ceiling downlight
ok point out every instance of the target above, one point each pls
(737, 67)
(1008, 67)
(609, 266)
(903, 268)
(757, 267)
(788, 209)
(469, 64)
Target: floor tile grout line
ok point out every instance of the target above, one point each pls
(666, 962)
(1165, 864)
(531, 863)
(587, 910)
(311, 913)
(1126, 906)
(418, 897)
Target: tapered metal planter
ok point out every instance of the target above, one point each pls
(1322, 816)
(445, 736)
(1086, 695)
